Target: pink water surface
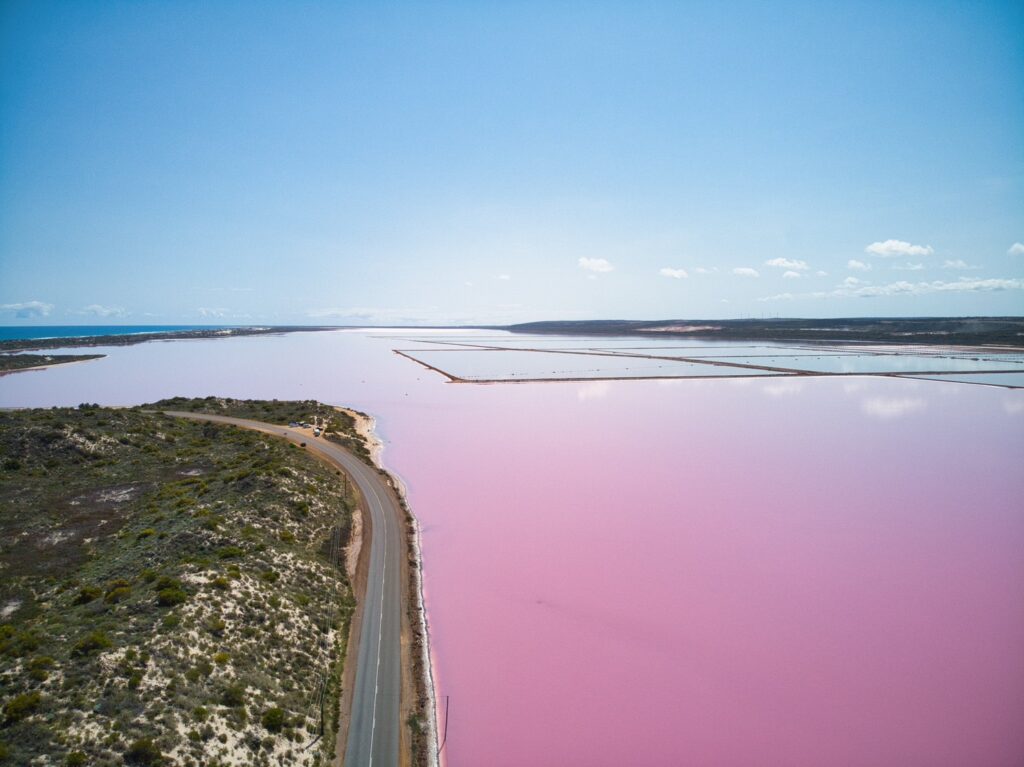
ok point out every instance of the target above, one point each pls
(755, 572)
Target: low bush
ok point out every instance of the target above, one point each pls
(87, 594)
(90, 643)
(117, 594)
(233, 696)
(38, 668)
(171, 597)
(274, 719)
(21, 706)
(143, 752)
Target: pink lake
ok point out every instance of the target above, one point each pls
(748, 572)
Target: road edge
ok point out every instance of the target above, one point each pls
(417, 657)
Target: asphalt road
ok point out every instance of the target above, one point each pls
(374, 730)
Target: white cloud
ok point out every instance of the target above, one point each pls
(745, 271)
(821, 273)
(958, 263)
(892, 407)
(854, 288)
(857, 266)
(676, 274)
(788, 263)
(98, 310)
(595, 264)
(1017, 249)
(504, 277)
(908, 267)
(791, 275)
(705, 270)
(27, 310)
(1014, 406)
(205, 311)
(895, 248)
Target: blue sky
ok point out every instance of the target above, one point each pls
(478, 162)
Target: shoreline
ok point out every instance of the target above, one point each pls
(130, 339)
(424, 685)
(58, 360)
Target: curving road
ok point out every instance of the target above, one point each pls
(374, 725)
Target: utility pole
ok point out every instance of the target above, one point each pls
(444, 738)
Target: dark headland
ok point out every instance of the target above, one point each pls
(34, 344)
(967, 331)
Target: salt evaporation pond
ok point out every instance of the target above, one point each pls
(794, 571)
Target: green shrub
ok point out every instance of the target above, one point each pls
(143, 752)
(90, 643)
(37, 667)
(233, 696)
(166, 582)
(215, 625)
(221, 658)
(21, 706)
(220, 582)
(274, 719)
(230, 552)
(75, 759)
(87, 594)
(119, 583)
(171, 597)
(116, 595)
(17, 644)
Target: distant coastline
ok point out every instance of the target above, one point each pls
(26, 332)
(126, 335)
(966, 331)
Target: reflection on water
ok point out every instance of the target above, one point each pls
(800, 571)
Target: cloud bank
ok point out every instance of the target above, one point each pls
(896, 248)
(595, 264)
(27, 310)
(676, 274)
(854, 288)
(98, 310)
(788, 263)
